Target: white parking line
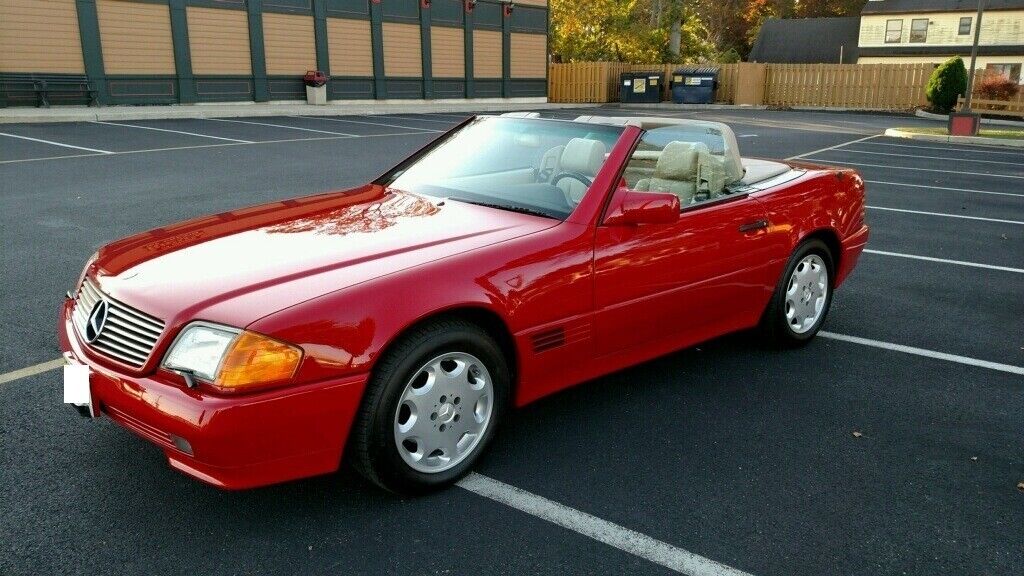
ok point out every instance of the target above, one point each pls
(281, 126)
(929, 186)
(976, 150)
(224, 145)
(365, 122)
(172, 131)
(848, 150)
(926, 353)
(1018, 222)
(832, 147)
(31, 370)
(424, 119)
(945, 261)
(630, 541)
(891, 167)
(56, 143)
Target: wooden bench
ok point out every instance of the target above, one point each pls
(996, 107)
(41, 88)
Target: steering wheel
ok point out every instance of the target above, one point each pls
(577, 177)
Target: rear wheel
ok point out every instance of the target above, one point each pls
(431, 407)
(802, 297)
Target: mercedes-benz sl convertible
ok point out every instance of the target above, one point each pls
(397, 323)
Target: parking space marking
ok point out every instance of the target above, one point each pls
(226, 144)
(851, 151)
(364, 122)
(31, 370)
(924, 352)
(943, 188)
(891, 167)
(978, 150)
(422, 119)
(56, 143)
(965, 217)
(620, 537)
(945, 261)
(282, 126)
(832, 147)
(172, 131)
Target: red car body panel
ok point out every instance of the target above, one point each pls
(342, 275)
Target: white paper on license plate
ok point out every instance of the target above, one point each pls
(76, 385)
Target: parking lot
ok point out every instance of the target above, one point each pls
(892, 444)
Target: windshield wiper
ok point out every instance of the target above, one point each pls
(520, 209)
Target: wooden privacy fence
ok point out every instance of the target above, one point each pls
(1013, 107)
(863, 86)
(590, 82)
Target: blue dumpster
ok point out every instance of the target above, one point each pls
(694, 85)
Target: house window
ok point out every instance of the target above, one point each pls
(893, 31)
(919, 30)
(965, 26)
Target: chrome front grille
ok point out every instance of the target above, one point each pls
(128, 335)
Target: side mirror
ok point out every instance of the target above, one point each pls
(630, 207)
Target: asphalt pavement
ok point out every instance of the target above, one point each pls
(898, 454)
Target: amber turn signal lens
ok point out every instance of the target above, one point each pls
(254, 359)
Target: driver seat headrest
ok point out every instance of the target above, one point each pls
(583, 156)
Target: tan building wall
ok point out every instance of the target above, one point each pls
(40, 37)
(447, 52)
(289, 43)
(219, 41)
(529, 55)
(135, 37)
(403, 56)
(350, 48)
(1001, 27)
(486, 54)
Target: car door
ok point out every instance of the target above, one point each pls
(666, 286)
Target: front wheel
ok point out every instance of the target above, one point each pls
(802, 297)
(431, 407)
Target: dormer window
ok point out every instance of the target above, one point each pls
(893, 31)
(965, 26)
(919, 30)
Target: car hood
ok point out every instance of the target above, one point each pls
(239, 266)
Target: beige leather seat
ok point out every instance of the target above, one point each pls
(688, 170)
(580, 156)
(675, 172)
(550, 164)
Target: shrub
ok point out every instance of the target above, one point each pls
(730, 56)
(995, 86)
(948, 81)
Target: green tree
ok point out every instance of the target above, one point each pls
(635, 31)
(948, 81)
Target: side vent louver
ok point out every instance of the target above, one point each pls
(548, 339)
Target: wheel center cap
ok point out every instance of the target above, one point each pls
(445, 413)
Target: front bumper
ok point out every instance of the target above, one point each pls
(231, 442)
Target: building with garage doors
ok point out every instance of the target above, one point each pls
(186, 51)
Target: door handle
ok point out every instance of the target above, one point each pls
(755, 225)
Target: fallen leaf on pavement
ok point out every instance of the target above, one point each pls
(1020, 486)
(857, 434)
(974, 458)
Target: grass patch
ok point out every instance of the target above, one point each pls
(985, 132)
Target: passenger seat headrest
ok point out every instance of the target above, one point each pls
(678, 160)
(583, 156)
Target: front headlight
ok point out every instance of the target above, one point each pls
(230, 358)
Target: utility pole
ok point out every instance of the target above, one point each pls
(974, 58)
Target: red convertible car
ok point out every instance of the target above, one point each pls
(398, 322)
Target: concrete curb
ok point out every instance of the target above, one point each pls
(992, 121)
(234, 110)
(673, 106)
(895, 133)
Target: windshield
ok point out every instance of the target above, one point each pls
(541, 167)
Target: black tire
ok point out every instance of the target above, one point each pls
(372, 447)
(775, 329)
